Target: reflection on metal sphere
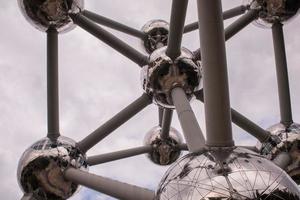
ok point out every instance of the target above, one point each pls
(156, 35)
(290, 143)
(43, 14)
(165, 151)
(242, 175)
(40, 169)
(162, 74)
(272, 11)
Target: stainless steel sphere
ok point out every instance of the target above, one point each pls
(162, 74)
(165, 151)
(242, 175)
(43, 14)
(272, 11)
(41, 167)
(156, 35)
(290, 143)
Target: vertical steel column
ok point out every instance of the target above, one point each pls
(160, 115)
(216, 92)
(282, 74)
(190, 127)
(166, 123)
(52, 84)
(177, 20)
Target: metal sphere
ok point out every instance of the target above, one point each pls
(290, 143)
(242, 175)
(156, 35)
(165, 151)
(162, 74)
(272, 11)
(40, 169)
(43, 14)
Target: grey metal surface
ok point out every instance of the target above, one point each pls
(113, 24)
(236, 11)
(282, 75)
(166, 123)
(110, 39)
(108, 157)
(107, 186)
(52, 84)
(282, 160)
(243, 175)
(243, 122)
(160, 115)
(116, 121)
(177, 20)
(234, 28)
(190, 127)
(215, 78)
(241, 23)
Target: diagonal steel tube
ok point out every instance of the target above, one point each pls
(190, 127)
(236, 11)
(160, 115)
(166, 123)
(113, 24)
(177, 20)
(243, 122)
(108, 157)
(282, 75)
(110, 39)
(234, 28)
(215, 78)
(108, 186)
(52, 84)
(112, 124)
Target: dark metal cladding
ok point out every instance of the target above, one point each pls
(164, 151)
(162, 74)
(272, 11)
(43, 14)
(242, 175)
(41, 167)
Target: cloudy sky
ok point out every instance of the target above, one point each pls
(96, 82)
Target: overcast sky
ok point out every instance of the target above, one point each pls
(96, 82)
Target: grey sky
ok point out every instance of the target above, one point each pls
(96, 82)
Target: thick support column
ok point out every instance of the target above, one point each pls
(160, 115)
(243, 122)
(216, 92)
(166, 123)
(282, 75)
(108, 157)
(113, 24)
(236, 11)
(112, 124)
(110, 39)
(52, 84)
(190, 127)
(109, 187)
(178, 14)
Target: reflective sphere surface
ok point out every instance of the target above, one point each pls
(272, 11)
(243, 175)
(156, 34)
(162, 74)
(43, 14)
(40, 169)
(290, 143)
(165, 151)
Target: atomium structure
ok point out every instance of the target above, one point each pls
(171, 76)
